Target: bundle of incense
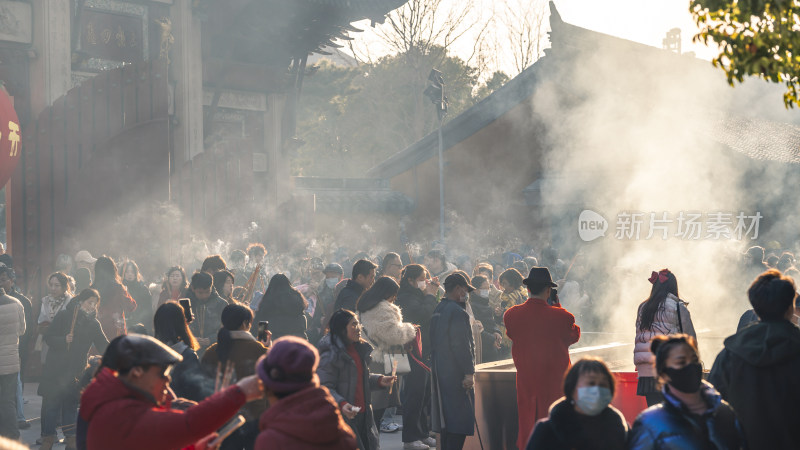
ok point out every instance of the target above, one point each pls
(227, 378)
(74, 318)
(394, 372)
(218, 378)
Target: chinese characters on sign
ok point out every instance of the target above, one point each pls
(111, 36)
(688, 226)
(10, 140)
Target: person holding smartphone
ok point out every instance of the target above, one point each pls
(344, 370)
(238, 349)
(129, 407)
(170, 327)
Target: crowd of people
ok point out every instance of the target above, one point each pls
(316, 356)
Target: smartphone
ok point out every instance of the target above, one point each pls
(226, 430)
(553, 299)
(187, 309)
(263, 326)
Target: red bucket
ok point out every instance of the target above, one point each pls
(625, 398)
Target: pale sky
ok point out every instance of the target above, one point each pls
(641, 21)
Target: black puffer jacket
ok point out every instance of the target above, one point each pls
(670, 426)
(565, 428)
(417, 308)
(757, 373)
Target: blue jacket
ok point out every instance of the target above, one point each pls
(452, 357)
(669, 425)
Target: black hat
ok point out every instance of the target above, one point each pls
(139, 350)
(334, 268)
(456, 279)
(539, 276)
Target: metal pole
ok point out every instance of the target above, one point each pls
(441, 182)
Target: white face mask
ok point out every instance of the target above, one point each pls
(592, 400)
(421, 285)
(484, 293)
(331, 282)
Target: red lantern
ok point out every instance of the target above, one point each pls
(10, 138)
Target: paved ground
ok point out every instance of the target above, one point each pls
(33, 405)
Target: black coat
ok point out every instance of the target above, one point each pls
(189, 379)
(63, 366)
(452, 358)
(484, 314)
(144, 305)
(417, 308)
(285, 313)
(670, 426)
(566, 429)
(207, 315)
(348, 297)
(757, 373)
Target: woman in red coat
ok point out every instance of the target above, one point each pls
(117, 302)
(541, 335)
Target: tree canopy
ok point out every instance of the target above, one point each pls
(352, 118)
(755, 37)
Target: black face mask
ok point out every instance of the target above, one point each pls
(686, 379)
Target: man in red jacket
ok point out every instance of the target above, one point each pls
(541, 335)
(130, 408)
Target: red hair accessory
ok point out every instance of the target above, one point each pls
(660, 276)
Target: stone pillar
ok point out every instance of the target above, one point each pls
(51, 69)
(186, 71)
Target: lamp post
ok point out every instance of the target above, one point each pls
(435, 92)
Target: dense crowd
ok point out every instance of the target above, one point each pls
(308, 354)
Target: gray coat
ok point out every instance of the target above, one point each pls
(452, 357)
(337, 371)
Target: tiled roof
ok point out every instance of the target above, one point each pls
(758, 139)
(366, 201)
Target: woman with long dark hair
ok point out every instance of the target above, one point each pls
(416, 299)
(117, 302)
(383, 326)
(133, 281)
(170, 327)
(344, 370)
(72, 333)
(662, 313)
(283, 307)
(692, 415)
(174, 285)
(238, 350)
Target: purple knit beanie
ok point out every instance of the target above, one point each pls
(289, 366)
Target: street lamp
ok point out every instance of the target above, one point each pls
(435, 92)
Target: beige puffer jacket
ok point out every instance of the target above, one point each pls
(12, 326)
(384, 328)
(665, 322)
